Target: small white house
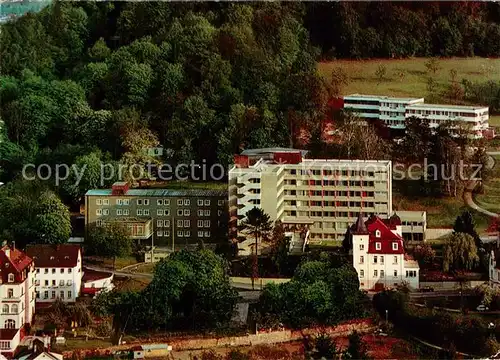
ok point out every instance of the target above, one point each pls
(379, 255)
(96, 281)
(58, 271)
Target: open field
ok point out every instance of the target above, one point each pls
(414, 80)
(107, 263)
(495, 120)
(490, 198)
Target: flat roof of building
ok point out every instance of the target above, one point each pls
(382, 97)
(448, 106)
(161, 192)
(272, 150)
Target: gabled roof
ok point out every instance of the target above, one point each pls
(386, 239)
(93, 275)
(54, 256)
(17, 259)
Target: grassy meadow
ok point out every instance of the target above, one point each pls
(408, 77)
(490, 198)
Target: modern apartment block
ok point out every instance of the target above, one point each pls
(166, 217)
(393, 111)
(327, 195)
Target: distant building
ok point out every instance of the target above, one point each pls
(379, 256)
(17, 297)
(93, 282)
(393, 111)
(494, 267)
(58, 271)
(165, 217)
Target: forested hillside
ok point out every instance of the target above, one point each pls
(202, 79)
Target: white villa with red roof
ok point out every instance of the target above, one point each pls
(17, 295)
(379, 255)
(58, 271)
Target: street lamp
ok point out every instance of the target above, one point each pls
(386, 316)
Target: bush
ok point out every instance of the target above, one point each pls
(104, 329)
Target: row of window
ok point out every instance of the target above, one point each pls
(181, 233)
(53, 295)
(444, 113)
(54, 282)
(159, 202)
(375, 259)
(14, 308)
(299, 203)
(159, 212)
(409, 273)
(329, 193)
(5, 345)
(333, 183)
(10, 324)
(334, 214)
(54, 270)
(327, 172)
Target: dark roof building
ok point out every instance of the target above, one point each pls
(55, 256)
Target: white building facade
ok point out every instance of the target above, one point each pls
(393, 111)
(379, 255)
(17, 296)
(58, 271)
(494, 268)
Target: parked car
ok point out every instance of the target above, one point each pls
(482, 308)
(427, 289)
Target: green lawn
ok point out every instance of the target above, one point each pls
(495, 120)
(107, 263)
(414, 82)
(490, 198)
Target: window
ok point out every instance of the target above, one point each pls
(46, 271)
(220, 202)
(105, 202)
(200, 233)
(200, 223)
(46, 282)
(14, 309)
(98, 222)
(69, 295)
(395, 259)
(61, 282)
(53, 283)
(361, 273)
(146, 201)
(381, 259)
(179, 223)
(38, 294)
(69, 271)
(38, 271)
(207, 202)
(98, 202)
(382, 274)
(395, 273)
(45, 294)
(219, 212)
(187, 202)
(105, 212)
(5, 309)
(207, 212)
(146, 212)
(166, 212)
(119, 202)
(180, 233)
(200, 212)
(126, 201)
(361, 259)
(200, 202)
(187, 233)
(361, 247)
(159, 202)
(139, 201)
(53, 271)
(159, 212)
(119, 212)
(159, 233)
(166, 202)
(179, 212)
(206, 223)
(11, 277)
(377, 233)
(187, 212)
(5, 345)
(37, 282)
(375, 259)
(378, 246)
(207, 234)
(98, 212)
(139, 212)
(53, 295)
(166, 233)
(187, 223)
(61, 294)
(179, 202)
(394, 246)
(10, 324)
(159, 223)
(166, 223)
(375, 273)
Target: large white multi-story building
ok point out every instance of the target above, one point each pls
(379, 255)
(58, 271)
(393, 111)
(17, 296)
(325, 195)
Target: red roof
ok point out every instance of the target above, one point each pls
(17, 262)
(54, 256)
(92, 275)
(387, 237)
(8, 334)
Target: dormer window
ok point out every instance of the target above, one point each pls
(66, 257)
(6, 265)
(51, 258)
(11, 277)
(378, 246)
(394, 246)
(377, 233)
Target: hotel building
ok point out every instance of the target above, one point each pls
(393, 111)
(166, 217)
